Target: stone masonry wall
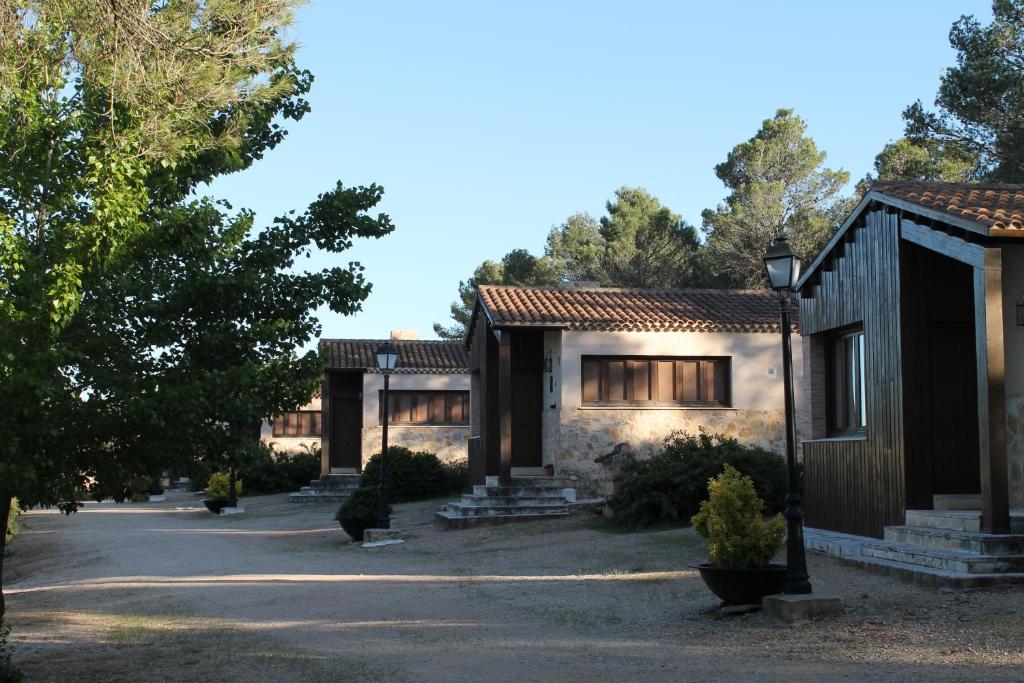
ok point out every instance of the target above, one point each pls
(594, 432)
(449, 443)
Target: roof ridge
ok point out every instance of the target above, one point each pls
(942, 183)
(630, 290)
(393, 341)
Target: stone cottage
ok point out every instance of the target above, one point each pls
(428, 404)
(561, 375)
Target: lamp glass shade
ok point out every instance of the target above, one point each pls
(387, 357)
(782, 265)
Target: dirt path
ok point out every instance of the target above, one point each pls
(166, 591)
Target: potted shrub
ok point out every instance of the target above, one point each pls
(741, 543)
(359, 512)
(218, 491)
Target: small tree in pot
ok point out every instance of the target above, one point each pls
(741, 543)
(218, 491)
(359, 512)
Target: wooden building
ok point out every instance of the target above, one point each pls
(911, 320)
(428, 404)
(561, 375)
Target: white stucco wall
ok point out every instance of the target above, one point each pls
(575, 434)
(447, 441)
(287, 444)
(1013, 290)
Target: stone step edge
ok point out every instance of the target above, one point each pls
(452, 522)
(969, 536)
(916, 552)
(931, 576)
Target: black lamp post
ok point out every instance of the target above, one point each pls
(783, 269)
(387, 359)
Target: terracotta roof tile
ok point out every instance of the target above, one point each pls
(414, 357)
(994, 206)
(607, 308)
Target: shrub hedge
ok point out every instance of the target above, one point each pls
(280, 472)
(416, 475)
(267, 471)
(670, 486)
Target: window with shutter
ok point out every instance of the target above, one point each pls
(640, 381)
(301, 423)
(426, 407)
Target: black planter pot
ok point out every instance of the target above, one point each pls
(357, 527)
(215, 506)
(743, 586)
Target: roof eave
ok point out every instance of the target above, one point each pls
(896, 203)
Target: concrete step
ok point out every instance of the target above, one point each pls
(969, 541)
(451, 520)
(948, 560)
(475, 499)
(518, 472)
(312, 497)
(467, 510)
(542, 482)
(520, 491)
(957, 501)
(953, 520)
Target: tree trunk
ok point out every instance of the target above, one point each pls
(5, 511)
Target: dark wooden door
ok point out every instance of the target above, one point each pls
(346, 441)
(527, 386)
(954, 409)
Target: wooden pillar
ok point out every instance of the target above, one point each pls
(989, 337)
(505, 405)
(325, 425)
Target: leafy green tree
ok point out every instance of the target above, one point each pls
(577, 247)
(980, 102)
(777, 184)
(926, 159)
(640, 243)
(518, 267)
(110, 116)
(190, 338)
(647, 245)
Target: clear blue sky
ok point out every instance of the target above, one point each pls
(488, 122)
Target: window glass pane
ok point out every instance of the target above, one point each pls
(861, 383)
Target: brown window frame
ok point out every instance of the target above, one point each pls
(845, 381)
(645, 375)
(425, 402)
(305, 427)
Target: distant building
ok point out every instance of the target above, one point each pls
(429, 403)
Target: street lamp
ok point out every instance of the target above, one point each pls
(387, 359)
(783, 269)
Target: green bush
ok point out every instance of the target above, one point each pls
(415, 475)
(457, 474)
(732, 522)
(12, 521)
(271, 472)
(219, 487)
(360, 506)
(670, 486)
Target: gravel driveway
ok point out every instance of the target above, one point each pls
(167, 591)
